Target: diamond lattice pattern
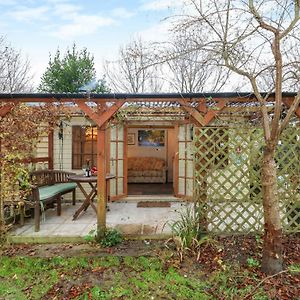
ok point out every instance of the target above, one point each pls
(227, 177)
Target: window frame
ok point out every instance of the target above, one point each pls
(83, 156)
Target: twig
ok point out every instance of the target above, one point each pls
(261, 282)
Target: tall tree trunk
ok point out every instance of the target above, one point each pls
(272, 261)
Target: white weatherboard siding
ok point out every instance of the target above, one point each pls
(42, 146)
(42, 150)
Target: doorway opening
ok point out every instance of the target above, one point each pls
(150, 160)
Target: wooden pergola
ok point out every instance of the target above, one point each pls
(197, 105)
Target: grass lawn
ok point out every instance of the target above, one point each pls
(25, 273)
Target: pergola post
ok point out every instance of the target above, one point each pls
(101, 182)
(101, 117)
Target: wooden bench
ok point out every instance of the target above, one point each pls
(48, 187)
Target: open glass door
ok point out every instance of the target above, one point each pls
(117, 168)
(185, 180)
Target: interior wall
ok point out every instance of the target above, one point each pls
(145, 151)
(166, 152)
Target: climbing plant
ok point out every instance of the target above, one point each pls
(20, 129)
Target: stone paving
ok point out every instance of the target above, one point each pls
(124, 216)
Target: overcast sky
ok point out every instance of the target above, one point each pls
(39, 27)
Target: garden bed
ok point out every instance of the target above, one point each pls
(228, 268)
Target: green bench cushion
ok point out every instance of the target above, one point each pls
(63, 187)
(50, 191)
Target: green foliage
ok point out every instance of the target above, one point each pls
(98, 293)
(252, 262)
(111, 238)
(188, 227)
(67, 73)
(294, 268)
(107, 262)
(20, 131)
(90, 237)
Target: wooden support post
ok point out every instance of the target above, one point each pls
(125, 165)
(101, 117)
(101, 183)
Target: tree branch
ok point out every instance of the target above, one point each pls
(259, 19)
(294, 21)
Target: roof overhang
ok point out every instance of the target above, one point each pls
(145, 97)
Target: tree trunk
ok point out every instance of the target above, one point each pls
(272, 261)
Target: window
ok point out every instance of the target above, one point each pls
(84, 146)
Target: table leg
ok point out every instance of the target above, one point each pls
(92, 196)
(88, 199)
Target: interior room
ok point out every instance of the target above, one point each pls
(150, 152)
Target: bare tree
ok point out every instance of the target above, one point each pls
(194, 71)
(133, 72)
(14, 70)
(253, 38)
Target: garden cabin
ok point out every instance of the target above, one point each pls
(194, 147)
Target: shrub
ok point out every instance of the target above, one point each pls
(112, 237)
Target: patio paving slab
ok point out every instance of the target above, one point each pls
(124, 216)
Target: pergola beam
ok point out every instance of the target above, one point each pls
(288, 103)
(202, 107)
(100, 117)
(192, 111)
(208, 116)
(211, 114)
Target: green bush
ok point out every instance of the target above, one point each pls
(188, 227)
(111, 238)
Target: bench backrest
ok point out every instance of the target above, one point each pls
(49, 177)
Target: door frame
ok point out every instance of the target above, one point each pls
(174, 125)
